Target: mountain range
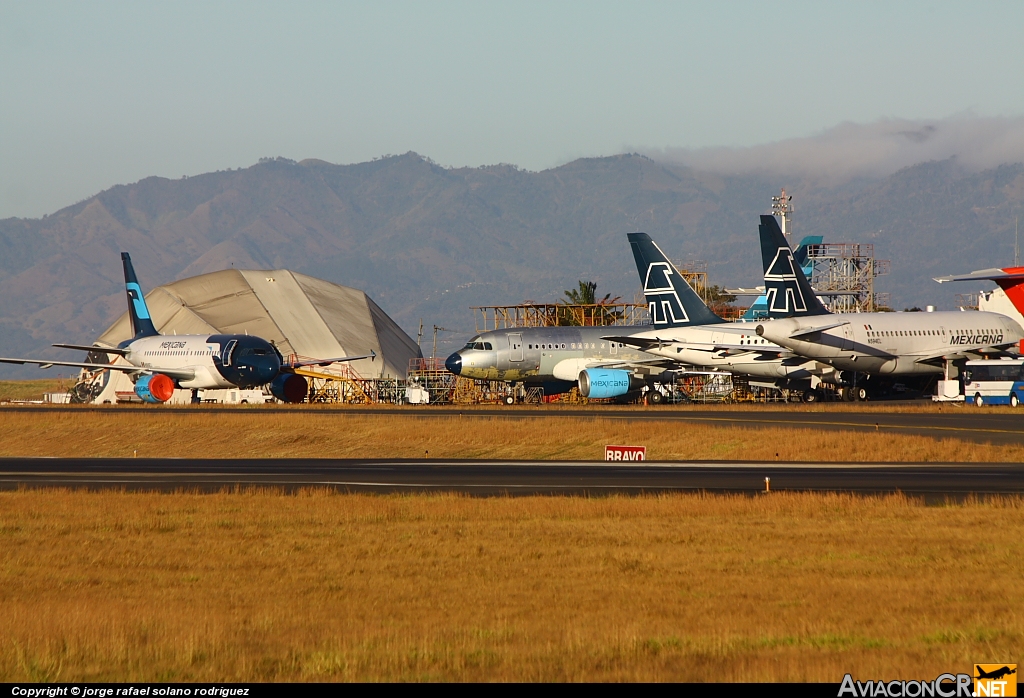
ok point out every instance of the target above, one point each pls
(426, 242)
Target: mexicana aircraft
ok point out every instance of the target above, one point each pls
(688, 333)
(558, 359)
(868, 343)
(158, 364)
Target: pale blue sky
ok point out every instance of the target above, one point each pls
(96, 94)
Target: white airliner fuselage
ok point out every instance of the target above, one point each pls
(891, 343)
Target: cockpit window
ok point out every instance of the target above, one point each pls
(479, 346)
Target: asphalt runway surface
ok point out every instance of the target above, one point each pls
(980, 425)
(487, 477)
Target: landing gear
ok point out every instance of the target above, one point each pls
(861, 393)
(654, 397)
(195, 396)
(510, 399)
(812, 395)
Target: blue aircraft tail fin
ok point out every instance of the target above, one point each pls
(138, 311)
(802, 253)
(670, 300)
(786, 288)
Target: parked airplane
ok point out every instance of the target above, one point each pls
(688, 333)
(1009, 279)
(869, 343)
(557, 359)
(158, 364)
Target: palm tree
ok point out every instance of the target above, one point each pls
(586, 294)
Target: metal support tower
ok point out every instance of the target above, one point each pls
(843, 272)
(844, 275)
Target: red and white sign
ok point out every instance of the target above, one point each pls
(628, 453)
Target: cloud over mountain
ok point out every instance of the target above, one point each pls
(874, 150)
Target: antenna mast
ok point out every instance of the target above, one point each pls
(782, 208)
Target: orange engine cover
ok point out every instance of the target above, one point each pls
(162, 387)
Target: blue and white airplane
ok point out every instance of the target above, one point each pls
(157, 364)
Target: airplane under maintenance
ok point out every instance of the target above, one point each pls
(157, 364)
(558, 359)
(869, 343)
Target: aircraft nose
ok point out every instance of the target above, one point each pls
(454, 363)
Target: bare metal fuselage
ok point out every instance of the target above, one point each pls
(537, 355)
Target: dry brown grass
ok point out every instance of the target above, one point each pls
(319, 586)
(30, 390)
(250, 433)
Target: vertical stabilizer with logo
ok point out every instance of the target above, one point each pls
(670, 300)
(138, 312)
(787, 292)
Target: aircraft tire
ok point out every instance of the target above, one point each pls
(978, 402)
(812, 395)
(849, 395)
(861, 394)
(510, 400)
(1013, 400)
(655, 398)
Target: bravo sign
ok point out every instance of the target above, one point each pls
(628, 453)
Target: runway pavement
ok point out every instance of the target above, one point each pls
(984, 425)
(488, 477)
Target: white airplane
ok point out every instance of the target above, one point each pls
(870, 343)
(687, 332)
(157, 364)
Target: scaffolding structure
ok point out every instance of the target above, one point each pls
(844, 274)
(531, 314)
(966, 301)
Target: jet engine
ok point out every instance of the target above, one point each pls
(599, 382)
(288, 387)
(155, 388)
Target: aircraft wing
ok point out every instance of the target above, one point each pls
(93, 347)
(983, 353)
(327, 362)
(176, 373)
(642, 343)
(647, 343)
(733, 348)
(625, 363)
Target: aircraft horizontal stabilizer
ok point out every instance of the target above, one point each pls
(803, 331)
(985, 275)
